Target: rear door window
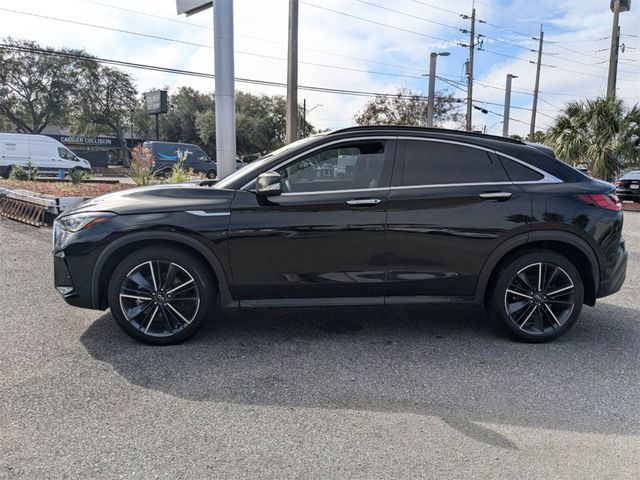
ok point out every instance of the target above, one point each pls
(439, 163)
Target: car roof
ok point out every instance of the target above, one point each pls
(397, 129)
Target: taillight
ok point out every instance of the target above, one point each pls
(608, 201)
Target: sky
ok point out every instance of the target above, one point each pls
(359, 45)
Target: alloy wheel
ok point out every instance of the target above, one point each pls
(160, 298)
(540, 298)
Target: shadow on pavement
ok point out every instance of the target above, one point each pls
(450, 362)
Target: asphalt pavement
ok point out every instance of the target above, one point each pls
(410, 392)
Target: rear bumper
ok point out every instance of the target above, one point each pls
(613, 284)
(628, 194)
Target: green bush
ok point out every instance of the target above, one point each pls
(78, 175)
(28, 173)
(178, 174)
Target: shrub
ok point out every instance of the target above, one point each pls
(29, 173)
(178, 174)
(78, 175)
(142, 166)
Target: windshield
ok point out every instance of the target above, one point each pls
(257, 164)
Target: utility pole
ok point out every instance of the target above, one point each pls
(613, 54)
(532, 129)
(472, 47)
(507, 105)
(292, 74)
(616, 6)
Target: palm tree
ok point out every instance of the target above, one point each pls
(602, 133)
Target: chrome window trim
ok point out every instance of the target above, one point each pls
(440, 185)
(546, 177)
(354, 190)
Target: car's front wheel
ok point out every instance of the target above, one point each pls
(211, 174)
(537, 295)
(161, 296)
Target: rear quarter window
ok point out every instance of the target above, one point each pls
(518, 172)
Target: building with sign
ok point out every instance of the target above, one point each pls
(101, 150)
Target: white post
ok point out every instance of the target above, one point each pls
(507, 105)
(225, 89)
(432, 88)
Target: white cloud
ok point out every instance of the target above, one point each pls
(261, 29)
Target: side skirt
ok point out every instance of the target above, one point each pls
(353, 301)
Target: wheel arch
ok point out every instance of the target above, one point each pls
(570, 245)
(108, 260)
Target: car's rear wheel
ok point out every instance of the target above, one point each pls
(212, 174)
(161, 296)
(538, 295)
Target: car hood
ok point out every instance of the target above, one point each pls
(159, 198)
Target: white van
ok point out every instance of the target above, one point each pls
(49, 155)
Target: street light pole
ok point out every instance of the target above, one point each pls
(292, 74)
(225, 89)
(507, 105)
(432, 86)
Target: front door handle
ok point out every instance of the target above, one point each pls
(360, 202)
(495, 195)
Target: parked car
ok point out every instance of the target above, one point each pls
(424, 216)
(583, 169)
(165, 156)
(48, 155)
(628, 186)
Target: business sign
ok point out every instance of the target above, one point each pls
(191, 7)
(156, 102)
(89, 141)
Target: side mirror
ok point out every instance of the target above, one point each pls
(269, 184)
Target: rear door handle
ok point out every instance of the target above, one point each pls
(495, 195)
(360, 202)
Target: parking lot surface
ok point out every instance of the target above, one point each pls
(411, 392)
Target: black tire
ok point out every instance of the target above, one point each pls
(532, 310)
(147, 313)
(211, 174)
(7, 172)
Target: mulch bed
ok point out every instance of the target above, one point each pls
(64, 189)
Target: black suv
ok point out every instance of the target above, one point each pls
(366, 215)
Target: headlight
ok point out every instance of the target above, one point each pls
(79, 221)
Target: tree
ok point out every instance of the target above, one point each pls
(37, 89)
(260, 124)
(408, 108)
(107, 98)
(179, 124)
(602, 133)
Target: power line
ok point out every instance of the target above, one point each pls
(192, 73)
(435, 6)
(513, 56)
(337, 12)
(167, 39)
(323, 52)
(408, 14)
